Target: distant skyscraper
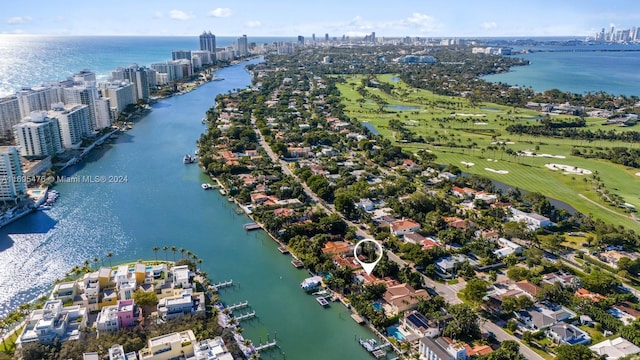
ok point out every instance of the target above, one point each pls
(301, 39)
(208, 43)
(181, 54)
(313, 37)
(243, 46)
(11, 185)
(326, 37)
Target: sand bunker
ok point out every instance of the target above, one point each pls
(480, 123)
(638, 173)
(492, 160)
(529, 153)
(568, 169)
(502, 143)
(497, 171)
(468, 164)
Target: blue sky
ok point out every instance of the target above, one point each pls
(290, 18)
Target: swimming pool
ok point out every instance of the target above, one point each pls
(377, 306)
(395, 332)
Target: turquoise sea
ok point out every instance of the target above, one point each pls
(578, 69)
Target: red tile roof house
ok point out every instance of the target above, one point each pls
(401, 227)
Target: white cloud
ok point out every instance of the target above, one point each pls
(18, 20)
(253, 24)
(488, 25)
(179, 15)
(220, 12)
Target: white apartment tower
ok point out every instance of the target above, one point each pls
(88, 95)
(74, 122)
(37, 99)
(243, 46)
(9, 116)
(39, 136)
(137, 75)
(120, 93)
(10, 171)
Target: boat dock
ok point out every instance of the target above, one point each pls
(246, 316)
(283, 249)
(252, 226)
(297, 263)
(371, 345)
(240, 305)
(322, 301)
(266, 346)
(357, 318)
(223, 284)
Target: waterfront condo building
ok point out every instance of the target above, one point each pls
(120, 94)
(38, 99)
(137, 75)
(39, 135)
(243, 46)
(204, 55)
(208, 43)
(186, 303)
(74, 121)
(10, 172)
(9, 116)
(87, 94)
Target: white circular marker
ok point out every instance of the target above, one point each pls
(368, 267)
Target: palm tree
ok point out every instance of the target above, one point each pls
(165, 248)
(182, 251)
(155, 250)
(95, 261)
(173, 249)
(109, 256)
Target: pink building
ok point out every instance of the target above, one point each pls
(128, 314)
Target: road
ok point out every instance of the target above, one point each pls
(448, 292)
(502, 335)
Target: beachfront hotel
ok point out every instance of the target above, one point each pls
(11, 189)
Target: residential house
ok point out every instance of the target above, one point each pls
(52, 322)
(613, 256)
(477, 350)
(211, 349)
(446, 266)
(65, 291)
(583, 293)
(447, 176)
(440, 349)
(532, 220)
(181, 276)
(337, 248)
(625, 313)
(185, 303)
(418, 324)
(568, 334)
(124, 315)
(429, 243)
(615, 349)
(508, 248)
(566, 280)
(169, 346)
(403, 226)
(413, 238)
(528, 288)
(403, 297)
(365, 204)
(116, 352)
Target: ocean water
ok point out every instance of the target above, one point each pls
(27, 60)
(578, 69)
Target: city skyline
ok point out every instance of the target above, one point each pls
(281, 18)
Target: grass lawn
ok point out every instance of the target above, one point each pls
(10, 342)
(459, 132)
(596, 336)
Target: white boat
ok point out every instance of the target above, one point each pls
(206, 186)
(188, 159)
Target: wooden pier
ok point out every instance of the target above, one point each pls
(297, 263)
(266, 346)
(245, 316)
(283, 249)
(252, 226)
(240, 305)
(221, 285)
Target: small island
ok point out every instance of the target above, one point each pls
(141, 310)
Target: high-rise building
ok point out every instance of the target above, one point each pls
(37, 99)
(181, 54)
(243, 46)
(120, 94)
(9, 116)
(99, 108)
(83, 76)
(137, 75)
(208, 43)
(300, 39)
(74, 122)
(313, 37)
(39, 136)
(326, 37)
(204, 55)
(11, 186)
